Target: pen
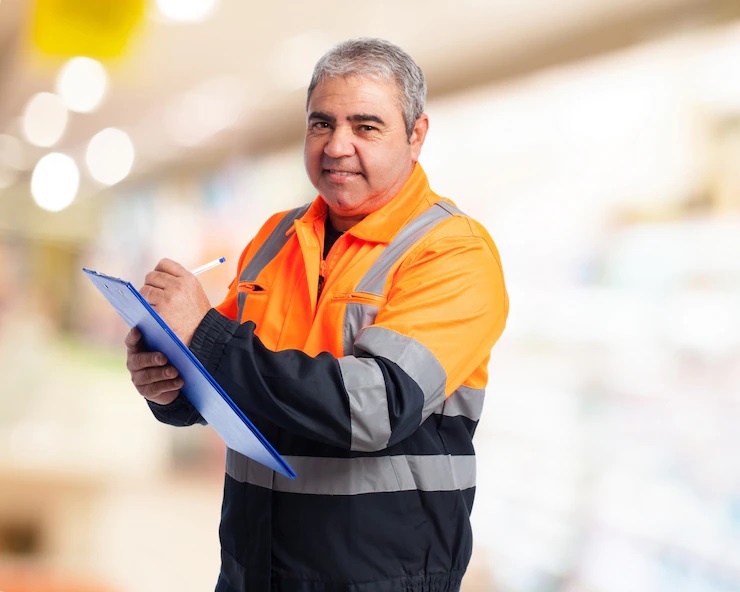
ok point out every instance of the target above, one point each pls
(207, 266)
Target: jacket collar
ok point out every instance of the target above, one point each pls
(383, 224)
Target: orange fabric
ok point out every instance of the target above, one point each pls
(447, 292)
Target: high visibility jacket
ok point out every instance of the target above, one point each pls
(370, 386)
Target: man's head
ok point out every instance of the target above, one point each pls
(380, 60)
(365, 126)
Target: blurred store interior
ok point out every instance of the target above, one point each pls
(598, 141)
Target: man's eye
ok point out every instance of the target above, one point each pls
(320, 125)
(367, 128)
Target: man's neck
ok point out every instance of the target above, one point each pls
(342, 223)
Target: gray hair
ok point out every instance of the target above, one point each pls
(379, 59)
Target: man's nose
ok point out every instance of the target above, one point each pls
(340, 143)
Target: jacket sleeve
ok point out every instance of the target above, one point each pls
(178, 413)
(302, 394)
(445, 311)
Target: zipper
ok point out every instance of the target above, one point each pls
(322, 278)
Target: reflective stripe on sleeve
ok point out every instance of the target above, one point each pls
(267, 252)
(412, 357)
(356, 476)
(356, 316)
(368, 403)
(464, 401)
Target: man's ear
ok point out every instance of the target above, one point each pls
(418, 135)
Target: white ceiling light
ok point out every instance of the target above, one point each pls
(82, 84)
(716, 82)
(110, 156)
(55, 181)
(44, 119)
(186, 10)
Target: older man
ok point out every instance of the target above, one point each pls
(356, 336)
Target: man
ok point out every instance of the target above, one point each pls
(356, 337)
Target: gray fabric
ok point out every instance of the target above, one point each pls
(368, 403)
(464, 401)
(356, 318)
(412, 357)
(246, 470)
(356, 476)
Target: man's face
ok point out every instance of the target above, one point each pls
(357, 153)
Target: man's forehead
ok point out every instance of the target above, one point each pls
(368, 91)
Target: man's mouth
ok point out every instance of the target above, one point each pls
(341, 173)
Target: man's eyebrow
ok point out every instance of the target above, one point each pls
(358, 117)
(322, 116)
(366, 117)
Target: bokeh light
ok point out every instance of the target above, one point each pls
(82, 84)
(186, 10)
(110, 156)
(44, 119)
(55, 182)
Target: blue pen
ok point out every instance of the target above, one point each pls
(207, 266)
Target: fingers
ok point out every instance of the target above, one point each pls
(154, 382)
(160, 279)
(170, 267)
(151, 295)
(133, 340)
(164, 398)
(166, 280)
(137, 360)
(152, 376)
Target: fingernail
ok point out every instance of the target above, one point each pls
(159, 359)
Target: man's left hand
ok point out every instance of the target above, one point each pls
(177, 296)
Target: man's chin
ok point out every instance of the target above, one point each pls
(340, 205)
(340, 199)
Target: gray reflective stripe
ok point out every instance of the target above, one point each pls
(356, 316)
(267, 251)
(465, 401)
(412, 357)
(373, 282)
(356, 476)
(246, 470)
(368, 403)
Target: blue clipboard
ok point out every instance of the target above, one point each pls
(200, 388)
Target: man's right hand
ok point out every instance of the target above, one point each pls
(153, 377)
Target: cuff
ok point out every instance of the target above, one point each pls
(210, 338)
(178, 413)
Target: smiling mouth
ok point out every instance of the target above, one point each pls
(341, 173)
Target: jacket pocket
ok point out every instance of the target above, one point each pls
(251, 288)
(359, 311)
(360, 298)
(251, 299)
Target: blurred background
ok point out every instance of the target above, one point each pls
(599, 142)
